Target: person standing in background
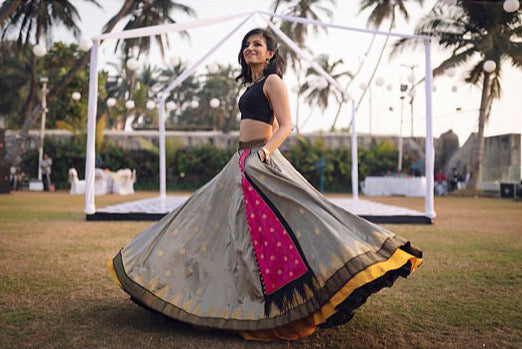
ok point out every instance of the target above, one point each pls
(46, 167)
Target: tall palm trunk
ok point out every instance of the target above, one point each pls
(361, 63)
(31, 96)
(392, 23)
(478, 153)
(13, 154)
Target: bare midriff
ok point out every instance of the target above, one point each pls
(250, 130)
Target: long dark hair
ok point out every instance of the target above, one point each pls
(275, 65)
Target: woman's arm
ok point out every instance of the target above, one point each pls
(275, 126)
(275, 90)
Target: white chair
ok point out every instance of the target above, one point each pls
(124, 182)
(77, 186)
(100, 182)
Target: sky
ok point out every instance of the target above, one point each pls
(455, 103)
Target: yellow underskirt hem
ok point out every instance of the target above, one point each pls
(308, 325)
(110, 265)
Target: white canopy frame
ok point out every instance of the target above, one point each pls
(162, 29)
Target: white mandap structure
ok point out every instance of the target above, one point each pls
(90, 208)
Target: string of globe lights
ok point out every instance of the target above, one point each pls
(132, 64)
(508, 5)
(85, 45)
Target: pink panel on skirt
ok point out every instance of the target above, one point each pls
(277, 256)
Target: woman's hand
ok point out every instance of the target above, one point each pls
(261, 154)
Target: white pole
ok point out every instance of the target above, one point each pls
(355, 163)
(430, 150)
(90, 208)
(42, 127)
(162, 151)
(401, 141)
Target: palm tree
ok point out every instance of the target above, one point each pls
(7, 8)
(145, 13)
(187, 91)
(223, 86)
(14, 152)
(381, 11)
(318, 94)
(476, 32)
(298, 32)
(33, 20)
(15, 77)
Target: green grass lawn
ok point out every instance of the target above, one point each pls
(56, 292)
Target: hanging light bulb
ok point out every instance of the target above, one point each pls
(322, 84)
(214, 103)
(129, 104)
(194, 104)
(39, 50)
(76, 96)
(150, 105)
(111, 102)
(379, 81)
(171, 105)
(85, 44)
(454, 88)
(411, 93)
(346, 96)
(213, 68)
(489, 66)
(132, 64)
(174, 60)
(511, 5)
(450, 72)
(363, 86)
(450, 2)
(411, 78)
(389, 87)
(434, 88)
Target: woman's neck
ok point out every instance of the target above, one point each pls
(257, 73)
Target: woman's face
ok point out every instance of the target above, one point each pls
(255, 50)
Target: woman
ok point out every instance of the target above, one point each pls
(258, 250)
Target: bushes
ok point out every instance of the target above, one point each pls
(190, 168)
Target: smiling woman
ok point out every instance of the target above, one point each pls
(257, 249)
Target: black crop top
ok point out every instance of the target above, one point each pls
(254, 105)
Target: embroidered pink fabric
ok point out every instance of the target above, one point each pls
(277, 256)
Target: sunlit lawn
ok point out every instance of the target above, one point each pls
(55, 290)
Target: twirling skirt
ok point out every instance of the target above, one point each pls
(259, 251)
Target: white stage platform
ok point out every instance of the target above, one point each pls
(156, 208)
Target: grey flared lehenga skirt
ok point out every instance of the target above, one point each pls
(258, 250)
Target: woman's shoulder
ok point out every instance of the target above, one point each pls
(273, 81)
(273, 78)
